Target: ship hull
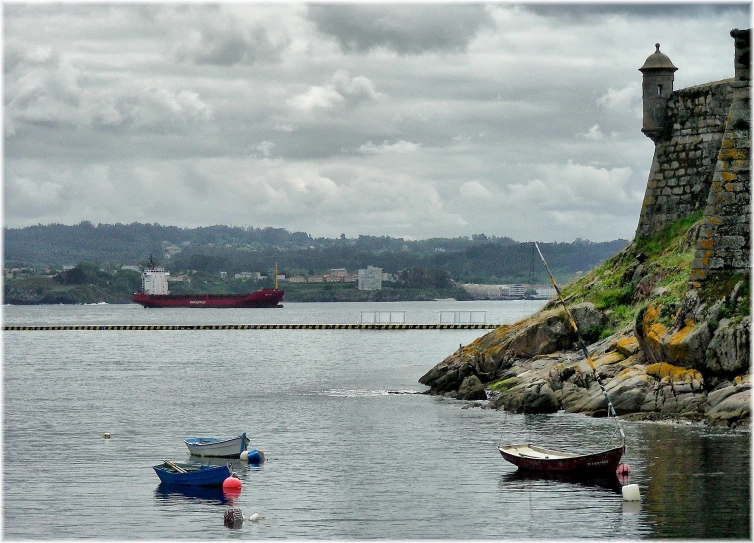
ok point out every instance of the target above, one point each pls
(262, 298)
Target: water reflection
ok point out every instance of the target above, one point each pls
(697, 486)
(608, 481)
(191, 494)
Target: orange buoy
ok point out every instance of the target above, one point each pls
(232, 487)
(231, 482)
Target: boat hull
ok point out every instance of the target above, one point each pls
(223, 448)
(530, 457)
(267, 297)
(196, 475)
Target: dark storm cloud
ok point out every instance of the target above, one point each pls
(649, 10)
(224, 40)
(406, 29)
(355, 118)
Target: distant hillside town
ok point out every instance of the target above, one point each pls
(510, 292)
(372, 277)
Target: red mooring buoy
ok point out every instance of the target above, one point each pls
(624, 469)
(231, 482)
(232, 487)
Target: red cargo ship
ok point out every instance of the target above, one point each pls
(154, 293)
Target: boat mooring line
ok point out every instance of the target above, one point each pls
(371, 326)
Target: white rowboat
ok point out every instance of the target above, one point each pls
(210, 446)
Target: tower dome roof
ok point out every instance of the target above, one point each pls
(658, 61)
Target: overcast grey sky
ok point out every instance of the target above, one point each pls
(413, 121)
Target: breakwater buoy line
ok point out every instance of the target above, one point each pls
(370, 326)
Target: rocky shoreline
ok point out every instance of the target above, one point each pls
(695, 370)
(667, 319)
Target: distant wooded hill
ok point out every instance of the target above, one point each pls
(479, 259)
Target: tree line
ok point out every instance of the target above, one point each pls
(475, 259)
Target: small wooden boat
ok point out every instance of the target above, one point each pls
(210, 446)
(531, 457)
(173, 473)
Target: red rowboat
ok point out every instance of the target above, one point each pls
(538, 458)
(531, 457)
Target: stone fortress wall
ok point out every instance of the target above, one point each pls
(702, 161)
(684, 160)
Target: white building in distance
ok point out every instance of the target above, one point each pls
(370, 278)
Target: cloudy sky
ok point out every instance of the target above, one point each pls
(413, 121)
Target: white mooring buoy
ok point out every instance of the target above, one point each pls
(631, 493)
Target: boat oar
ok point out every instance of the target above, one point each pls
(175, 466)
(582, 345)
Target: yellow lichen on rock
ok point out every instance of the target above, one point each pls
(627, 346)
(656, 331)
(675, 347)
(651, 314)
(681, 334)
(609, 358)
(673, 374)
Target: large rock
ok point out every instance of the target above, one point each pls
(687, 347)
(629, 390)
(684, 345)
(471, 389)
(538, 398)
(627, 346)
(531, 397)
(586, 400)
(731, 405)
(546, 335)
(589, 320)
(729, 350)
(574, 397)
(674, 383)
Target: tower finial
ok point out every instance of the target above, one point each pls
(657, 45)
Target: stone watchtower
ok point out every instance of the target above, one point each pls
(702, 161)
(687, 127)
(657, 86)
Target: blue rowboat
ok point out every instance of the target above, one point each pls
(210, 446)
(173, 473)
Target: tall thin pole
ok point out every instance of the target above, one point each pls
(582, 345)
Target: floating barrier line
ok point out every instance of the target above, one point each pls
(372, 326)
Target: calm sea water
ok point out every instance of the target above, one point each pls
(354, 451)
